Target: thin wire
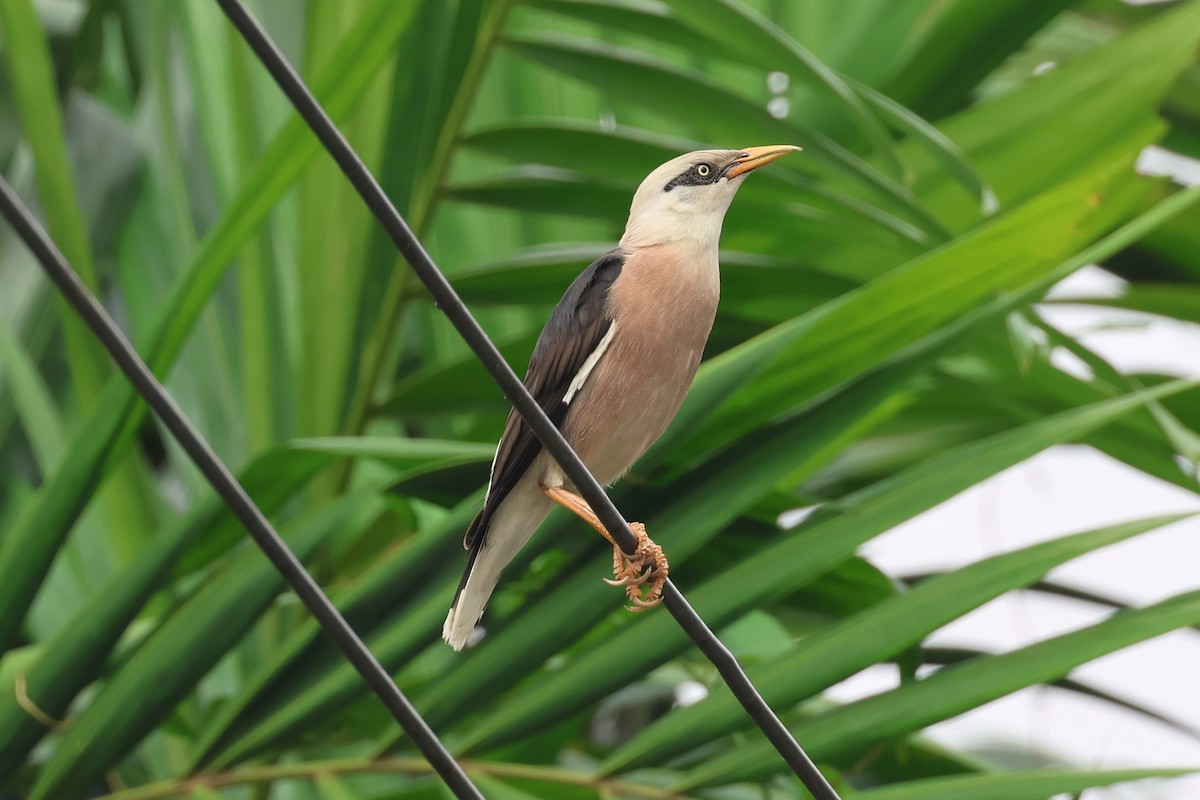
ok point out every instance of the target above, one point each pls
(514, 390)
(227, 486)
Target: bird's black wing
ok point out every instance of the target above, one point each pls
(573, 332)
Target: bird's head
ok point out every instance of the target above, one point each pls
(686, 198)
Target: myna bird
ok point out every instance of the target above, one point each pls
(611, 369)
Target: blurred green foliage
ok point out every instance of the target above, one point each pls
(878, 351)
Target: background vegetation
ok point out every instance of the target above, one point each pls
(877, 352)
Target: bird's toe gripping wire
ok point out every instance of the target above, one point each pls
(646, 569)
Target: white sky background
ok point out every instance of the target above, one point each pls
(1068, 490)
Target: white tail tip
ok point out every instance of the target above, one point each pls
(455, 632)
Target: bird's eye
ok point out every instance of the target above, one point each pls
(703, 170)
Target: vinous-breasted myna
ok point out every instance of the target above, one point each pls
(611, 369)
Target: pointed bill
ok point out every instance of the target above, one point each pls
(754, 157)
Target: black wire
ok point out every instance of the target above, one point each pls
(227, 486)
(453, 307)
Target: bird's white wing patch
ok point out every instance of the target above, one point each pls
(492, 472)
(589, 364)
(573, 389)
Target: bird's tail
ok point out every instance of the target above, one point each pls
(471, 600)
(490, 551)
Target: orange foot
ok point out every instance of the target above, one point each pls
(647, 568)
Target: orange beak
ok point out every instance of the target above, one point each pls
(754, 157)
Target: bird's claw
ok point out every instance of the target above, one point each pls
(642, 605)
(647, 567)
(634, 579)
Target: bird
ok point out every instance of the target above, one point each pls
(611, 368)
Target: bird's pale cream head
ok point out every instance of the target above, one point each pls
(686, 198)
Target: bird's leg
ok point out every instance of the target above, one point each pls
(646, 567)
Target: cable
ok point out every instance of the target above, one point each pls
(226, 485)
(514, 390)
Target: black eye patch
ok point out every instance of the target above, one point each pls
(697, 175)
